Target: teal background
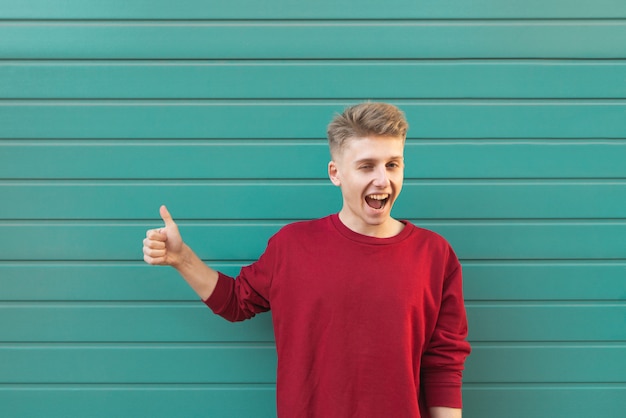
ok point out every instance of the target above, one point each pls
(516, 154)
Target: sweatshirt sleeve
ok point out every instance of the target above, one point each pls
(247, 295)
(444, 358)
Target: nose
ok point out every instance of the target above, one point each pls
(381, 178)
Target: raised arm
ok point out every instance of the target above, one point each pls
(165, 247)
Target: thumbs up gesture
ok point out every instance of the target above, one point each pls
(163, 246)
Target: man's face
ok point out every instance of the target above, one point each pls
(370, 172)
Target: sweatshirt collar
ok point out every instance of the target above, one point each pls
(366, 239)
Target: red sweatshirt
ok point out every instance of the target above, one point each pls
(364, 326)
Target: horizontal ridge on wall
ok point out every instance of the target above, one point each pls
(277, 200)
(306, 119)
(80, 363)
(134, 281)
(540, 400)
(598, 324)
(313, 79)
(167, 400)
(321, 9)
(153, 400)
(406, 39)
(239, 240)
(305, 159)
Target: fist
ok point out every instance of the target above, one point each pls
(163, 246)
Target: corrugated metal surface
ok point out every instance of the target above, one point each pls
(108, 109)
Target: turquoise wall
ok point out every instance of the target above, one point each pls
(516, 154)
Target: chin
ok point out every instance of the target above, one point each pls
(378, 219)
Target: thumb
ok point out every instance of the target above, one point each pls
(167, 218)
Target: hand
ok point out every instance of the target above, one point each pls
(444, 412)
(163, 246)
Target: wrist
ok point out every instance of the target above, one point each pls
(183, 258)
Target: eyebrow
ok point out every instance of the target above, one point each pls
(369, 160)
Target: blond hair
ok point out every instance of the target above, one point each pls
(363, 120)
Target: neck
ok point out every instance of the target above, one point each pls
(389, 228)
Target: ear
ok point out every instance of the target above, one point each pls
(333, 173)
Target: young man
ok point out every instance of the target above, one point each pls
(368, 311)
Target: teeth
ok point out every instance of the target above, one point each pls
(378, 196)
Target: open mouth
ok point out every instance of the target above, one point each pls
(377, 201)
